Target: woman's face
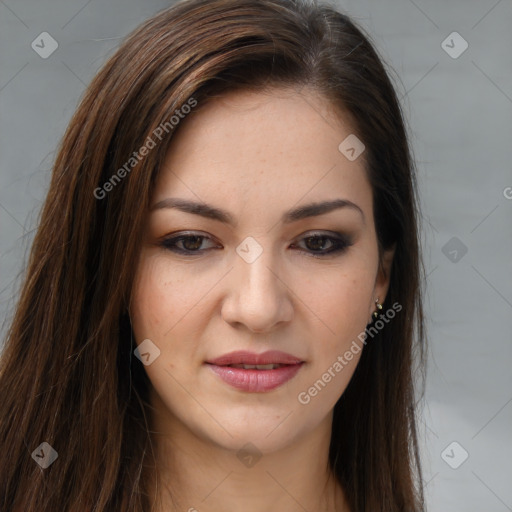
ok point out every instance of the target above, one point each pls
(238, 269)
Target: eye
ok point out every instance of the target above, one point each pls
(320, 244)
(317, 245)
(185, 243)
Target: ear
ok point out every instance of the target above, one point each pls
(383, 275)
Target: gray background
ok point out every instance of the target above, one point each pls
(459, 112)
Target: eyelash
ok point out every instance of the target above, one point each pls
(340, 244)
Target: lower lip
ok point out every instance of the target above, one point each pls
(256, 381)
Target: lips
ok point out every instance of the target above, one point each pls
(256, 366)
(255, 373)
(250, 358)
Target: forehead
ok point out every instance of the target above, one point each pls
(262, 146)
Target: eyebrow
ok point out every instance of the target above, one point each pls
(293, 215)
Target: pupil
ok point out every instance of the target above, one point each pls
(189, 245)
(318, 242)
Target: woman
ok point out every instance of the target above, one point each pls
(222, 305)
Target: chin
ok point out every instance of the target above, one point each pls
(254, 441)
(268, 431)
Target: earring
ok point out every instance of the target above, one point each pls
(379, 308)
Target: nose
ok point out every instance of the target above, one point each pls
(257, 296)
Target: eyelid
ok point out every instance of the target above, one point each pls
(340, 241)
(177, 236)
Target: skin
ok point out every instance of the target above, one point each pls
(255, 155)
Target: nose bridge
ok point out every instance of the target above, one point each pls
(258, 277)
(257, 298)
(257, 281)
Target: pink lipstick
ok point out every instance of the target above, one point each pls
(256, 373)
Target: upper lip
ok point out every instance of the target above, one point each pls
(244, 357)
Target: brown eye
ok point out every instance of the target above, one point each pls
(192, 243)
(320, 245)
(317, 245)
(185, 244)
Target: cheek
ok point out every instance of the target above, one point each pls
(343, 310)
(161, 297)
(340, 302)
(148, 300)
(169, 306)
(161, 310)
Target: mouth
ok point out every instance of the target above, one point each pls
(256, 373)
(270, 366)
(242, 357)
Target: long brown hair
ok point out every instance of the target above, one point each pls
(68, 376)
